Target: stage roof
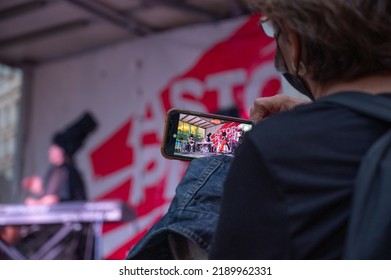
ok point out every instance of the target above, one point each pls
(38, 31)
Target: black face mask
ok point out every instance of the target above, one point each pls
(298, 84)
(294, 80)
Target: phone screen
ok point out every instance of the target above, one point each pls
(192, 135)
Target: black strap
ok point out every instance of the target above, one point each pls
(375, 106)
(369, 226)
(369, 229)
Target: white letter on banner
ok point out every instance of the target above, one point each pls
(224, 83)
(260, 77)
(151, 155)
(146, 153)
(189, 86)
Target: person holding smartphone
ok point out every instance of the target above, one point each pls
(288, 192)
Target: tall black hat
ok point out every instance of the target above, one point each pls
(73, 136)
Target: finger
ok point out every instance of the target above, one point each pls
(256, 114)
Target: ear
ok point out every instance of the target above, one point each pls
(293, 50)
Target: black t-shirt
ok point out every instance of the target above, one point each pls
(288, 192)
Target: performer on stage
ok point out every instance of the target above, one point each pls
(191, 143)
(63, 182)
(209, 141)
(224, 147)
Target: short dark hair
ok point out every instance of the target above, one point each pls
(341, 40)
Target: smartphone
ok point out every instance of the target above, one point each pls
(189, 134)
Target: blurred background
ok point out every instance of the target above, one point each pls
(127, 62)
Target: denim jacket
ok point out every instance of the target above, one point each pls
(193, 213)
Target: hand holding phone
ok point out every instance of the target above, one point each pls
(189, 134)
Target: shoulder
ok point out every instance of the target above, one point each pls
(305, 130)
(70, 167)
(58, 169)
(302, 119)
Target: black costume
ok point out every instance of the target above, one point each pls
(288, 193)
(66, 182)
